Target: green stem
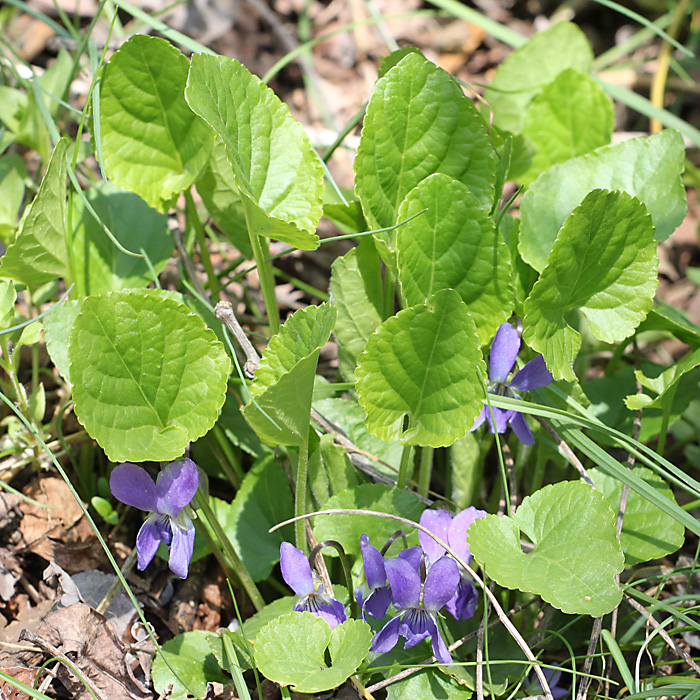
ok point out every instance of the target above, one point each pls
(425, 470)
(389, 293)
(236, 564)
(267, 279)
(232, 464)
(194, 223)
(663, 431)
(7, 365)
(300, 495)
(406, 463)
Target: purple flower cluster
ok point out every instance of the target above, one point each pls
(534, 375)
(419, 582)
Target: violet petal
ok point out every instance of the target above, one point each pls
(463, 605)
(377, 602)
(412, 555)
(147, 542)
(133, 485)
(181, 549)
(504, 350)
(385, 640)
(500, 419)
(404, 580)
(373, 563)
(176, 486)
(457, 534)
(534, 375)
(479, 419)
(331, 610)
(440, 583)
(440, 651)
(521, 429)
(414, 627)
(296, 570)
(438, 522)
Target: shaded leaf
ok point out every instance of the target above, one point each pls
(528, 69)
(281, 392)
(39, 253)
(356, 291)
(98, 265)
(647, 531)
(571, 116)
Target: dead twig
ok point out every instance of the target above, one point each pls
(566, 450)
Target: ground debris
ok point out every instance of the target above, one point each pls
(82, 636)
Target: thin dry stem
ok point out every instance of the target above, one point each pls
(564, 447)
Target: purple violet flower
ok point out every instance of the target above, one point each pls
(534, 375)
(297, 574)
(417, 603)
(167, 499)
(453, 530)
(379, 598)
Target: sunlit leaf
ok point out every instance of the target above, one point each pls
(148, 376)
(423, 365)
(576, 553)
(153, 144)
(602, 263)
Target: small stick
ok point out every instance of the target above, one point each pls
(480, 662)
(224, 312)
(564, 447)
(592, 644)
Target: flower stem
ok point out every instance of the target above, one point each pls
(237, 565)
(425, 470)
(300, 495)
(195, 224)
(267, 279)
(406, 464)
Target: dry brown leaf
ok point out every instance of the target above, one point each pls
(22, 674)
(85, 637)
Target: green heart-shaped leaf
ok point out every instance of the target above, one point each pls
(424, 364)
(277, 171)
(291, 651)
(576, 553)
(153, 143)
(148, 375)
(603, 263)
(454, 245)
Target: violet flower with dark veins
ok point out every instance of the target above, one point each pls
(417, 603)
(453, 531)
(534, 375)
(297, 574)
(168, 501)
(377, 602)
